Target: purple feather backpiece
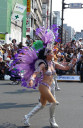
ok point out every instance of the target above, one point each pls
(25, 62)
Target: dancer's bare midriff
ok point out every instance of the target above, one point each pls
(47, 79)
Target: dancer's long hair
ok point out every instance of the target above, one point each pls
(42, 56)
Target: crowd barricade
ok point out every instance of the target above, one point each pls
(75, 78)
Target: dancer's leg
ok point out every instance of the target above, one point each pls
(46, 95)
(53, 89)
(31, 113)
(57, 88)
(52, 116)
(35, 109)
(52, 108)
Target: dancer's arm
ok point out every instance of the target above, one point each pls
(36, 72)
(60, 66)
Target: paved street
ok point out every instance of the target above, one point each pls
(16, 101)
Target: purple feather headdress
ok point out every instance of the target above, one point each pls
(48, 35)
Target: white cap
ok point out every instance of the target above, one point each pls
(81, 49)
(80, 38)
(62, 48)
(1, 57)
(0, 45)
(8, 59)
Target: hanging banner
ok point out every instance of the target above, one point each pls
(69, 78)
(28, 22)
(17, 17)
(28, 5)
(19, 8)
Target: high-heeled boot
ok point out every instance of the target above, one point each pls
(53, 88)
(53, 91)
(57, 88)
(31, 113)
(52, 116)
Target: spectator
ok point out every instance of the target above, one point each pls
(5, 54)
(29, 41)
(79, 54)
(1, 58)
(20, 46)
(73, 44)
(1, 51)
(2, 70)
(14, 44)
(7, 65)
(80, 42)
(79, 65)
(14, 47)
(81, 69)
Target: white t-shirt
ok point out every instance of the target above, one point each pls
(78, 56)
(5, 55)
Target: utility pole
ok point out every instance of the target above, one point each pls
(51, 13)
(22, 32)
(62, 22)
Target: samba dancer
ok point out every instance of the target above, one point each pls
(42, 64)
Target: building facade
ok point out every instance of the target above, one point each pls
(79, 35)
(46, 13)
(9, 27)
(34, 17)
(70, 31)
(56, 18)
(40, 15)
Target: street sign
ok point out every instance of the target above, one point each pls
(28, 23)
(28, 30)
(75, 5)
(58, 40)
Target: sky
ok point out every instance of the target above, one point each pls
(72, 17)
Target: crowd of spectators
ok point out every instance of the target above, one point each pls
(64, 54)
(69, 51)
(7, 52)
